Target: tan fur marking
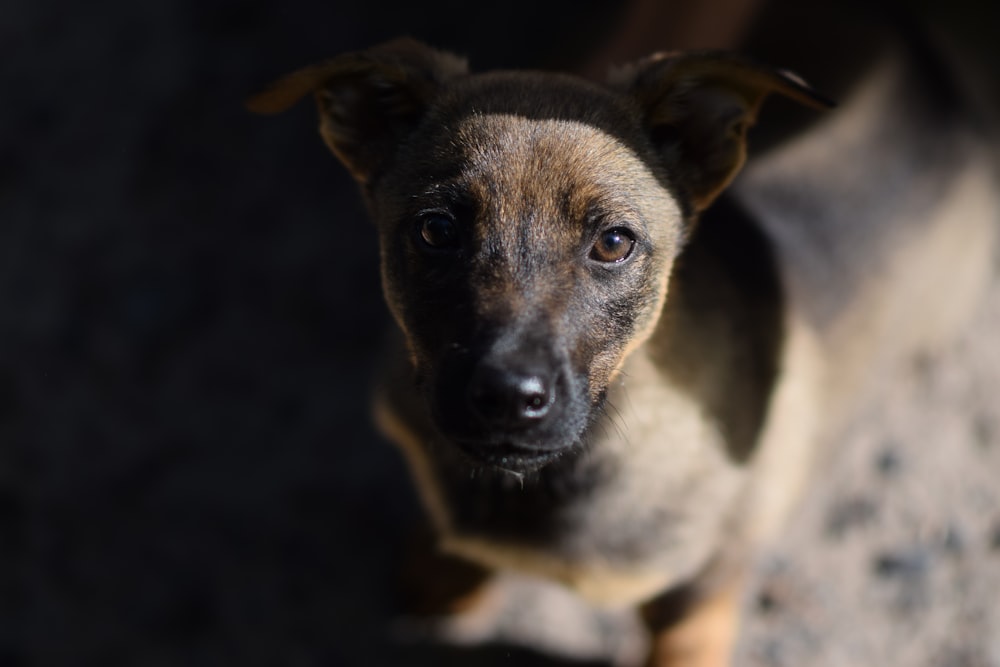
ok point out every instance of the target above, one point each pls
(599, 583)
(704, 638)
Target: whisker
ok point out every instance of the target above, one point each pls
(604, 428)
(617, 411)
(628, 399)
(619, 427)
(519, 476)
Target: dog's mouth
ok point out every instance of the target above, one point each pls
(519, 453)
(510, 457)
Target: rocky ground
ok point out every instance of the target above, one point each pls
(188, 309)
(894, 558)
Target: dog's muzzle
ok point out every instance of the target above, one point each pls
(518, 408)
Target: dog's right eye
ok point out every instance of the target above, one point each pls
(438, 232)
(613, 246)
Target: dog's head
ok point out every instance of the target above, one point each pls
(528, 221)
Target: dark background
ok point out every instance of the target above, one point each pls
(189, 307)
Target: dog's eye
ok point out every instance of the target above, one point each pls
(614, 245)
(438, 231)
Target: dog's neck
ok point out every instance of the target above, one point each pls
(721, 333)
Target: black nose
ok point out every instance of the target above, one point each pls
(509, 398)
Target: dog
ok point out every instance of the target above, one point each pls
(606, 370)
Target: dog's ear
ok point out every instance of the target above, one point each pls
(697, 108)
(367, 100)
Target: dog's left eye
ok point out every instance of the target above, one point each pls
(614, 245)
(438, 231)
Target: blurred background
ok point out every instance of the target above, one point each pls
(189, 309)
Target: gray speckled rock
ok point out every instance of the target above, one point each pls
(909, 575)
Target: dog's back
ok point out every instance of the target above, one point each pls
(885, 219)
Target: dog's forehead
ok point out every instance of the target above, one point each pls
(560, 169)
(510, 146)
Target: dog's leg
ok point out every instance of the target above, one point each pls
(435, 583)
(699, 633)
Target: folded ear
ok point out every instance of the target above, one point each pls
(369, 100)
(697, 108)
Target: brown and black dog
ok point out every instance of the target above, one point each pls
(597, 378)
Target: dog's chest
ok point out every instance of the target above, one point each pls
(645, 504)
